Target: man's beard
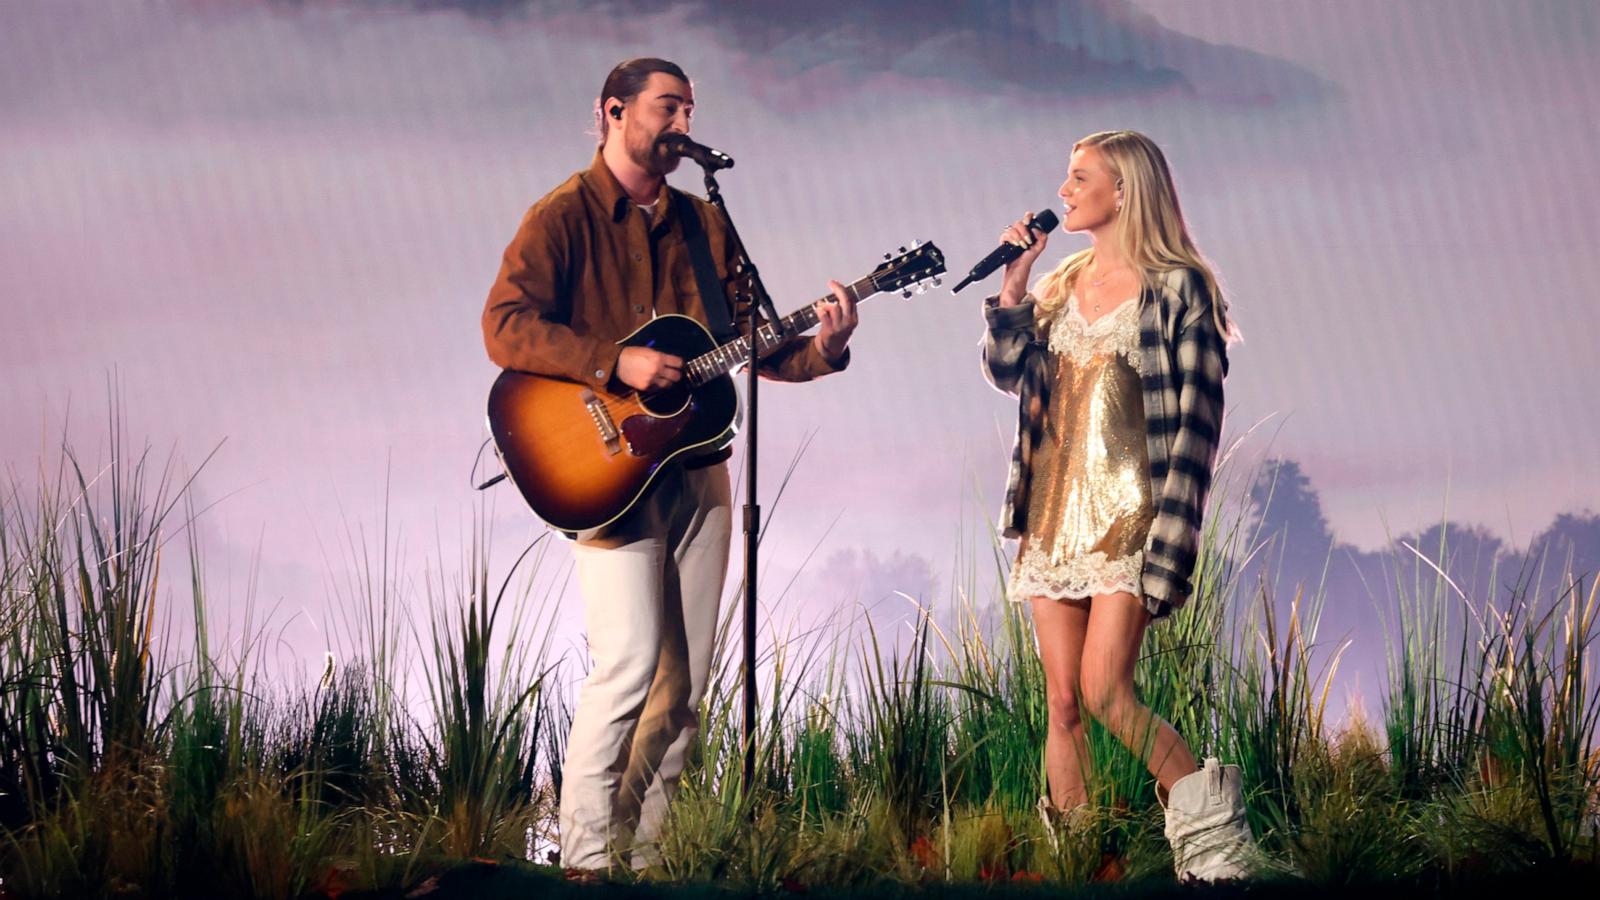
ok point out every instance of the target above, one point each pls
(653, 158)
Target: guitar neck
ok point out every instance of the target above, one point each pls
(734, 353)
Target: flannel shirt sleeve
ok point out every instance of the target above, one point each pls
(1010, 332)
(1200, 352)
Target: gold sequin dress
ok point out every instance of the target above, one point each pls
(1089, 505)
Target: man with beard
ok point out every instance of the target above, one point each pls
(593, 261)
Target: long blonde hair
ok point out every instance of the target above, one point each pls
(1150, 229)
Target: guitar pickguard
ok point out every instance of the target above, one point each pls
(648, 435)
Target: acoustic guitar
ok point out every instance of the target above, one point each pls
(582, 457)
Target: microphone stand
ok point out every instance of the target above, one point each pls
(752, 507)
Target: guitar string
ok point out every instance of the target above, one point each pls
(719, 360)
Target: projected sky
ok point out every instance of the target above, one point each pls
(273, 225)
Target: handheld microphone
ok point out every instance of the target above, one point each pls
(709, 159)
(1044, 221)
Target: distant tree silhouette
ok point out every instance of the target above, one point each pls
(1361, 587)
(1572, 544)
(1293, 533)
(1478, 562)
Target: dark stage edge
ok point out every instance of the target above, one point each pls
(481, 881)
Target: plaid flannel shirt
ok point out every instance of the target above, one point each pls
(1185, 360)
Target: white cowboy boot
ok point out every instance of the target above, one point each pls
(1206, 825)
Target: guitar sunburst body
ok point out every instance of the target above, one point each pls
(583, 457)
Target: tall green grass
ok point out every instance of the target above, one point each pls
(132, 764)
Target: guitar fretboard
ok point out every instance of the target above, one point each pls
(729, 356)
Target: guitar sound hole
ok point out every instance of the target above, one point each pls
(668, 402)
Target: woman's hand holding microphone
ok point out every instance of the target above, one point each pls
(1022, 234)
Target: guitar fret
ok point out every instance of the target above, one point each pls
(729, 356)
(736, 352)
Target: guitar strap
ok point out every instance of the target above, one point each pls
(712, 296)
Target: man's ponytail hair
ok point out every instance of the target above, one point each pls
(625, 82)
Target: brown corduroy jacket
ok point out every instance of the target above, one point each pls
(586, 269)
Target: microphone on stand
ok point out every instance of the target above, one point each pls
(1043, 221)
(712, 160)
(709, 159)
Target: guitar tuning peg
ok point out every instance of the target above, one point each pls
(906, 293)
(915, 244)
(902, 248)
(888, 256)
(936, 281)
(922, 288)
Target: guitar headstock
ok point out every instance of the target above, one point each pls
(910, 270)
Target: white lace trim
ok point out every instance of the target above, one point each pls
(1115, 332)
(1079, 577)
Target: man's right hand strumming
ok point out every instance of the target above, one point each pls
(1015, 286)
(644, 369)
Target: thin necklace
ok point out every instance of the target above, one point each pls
(1096, 282)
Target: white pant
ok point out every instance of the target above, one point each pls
(651, 589)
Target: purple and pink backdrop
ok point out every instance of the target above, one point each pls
(275, 223)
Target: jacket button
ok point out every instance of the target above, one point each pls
(599, 373)
(637, 257)
(638, 308)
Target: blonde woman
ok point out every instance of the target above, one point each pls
(1118, 357)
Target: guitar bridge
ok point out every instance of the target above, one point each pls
(602, 421)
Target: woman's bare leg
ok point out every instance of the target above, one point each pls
(1110, 649)
(1060, 627)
